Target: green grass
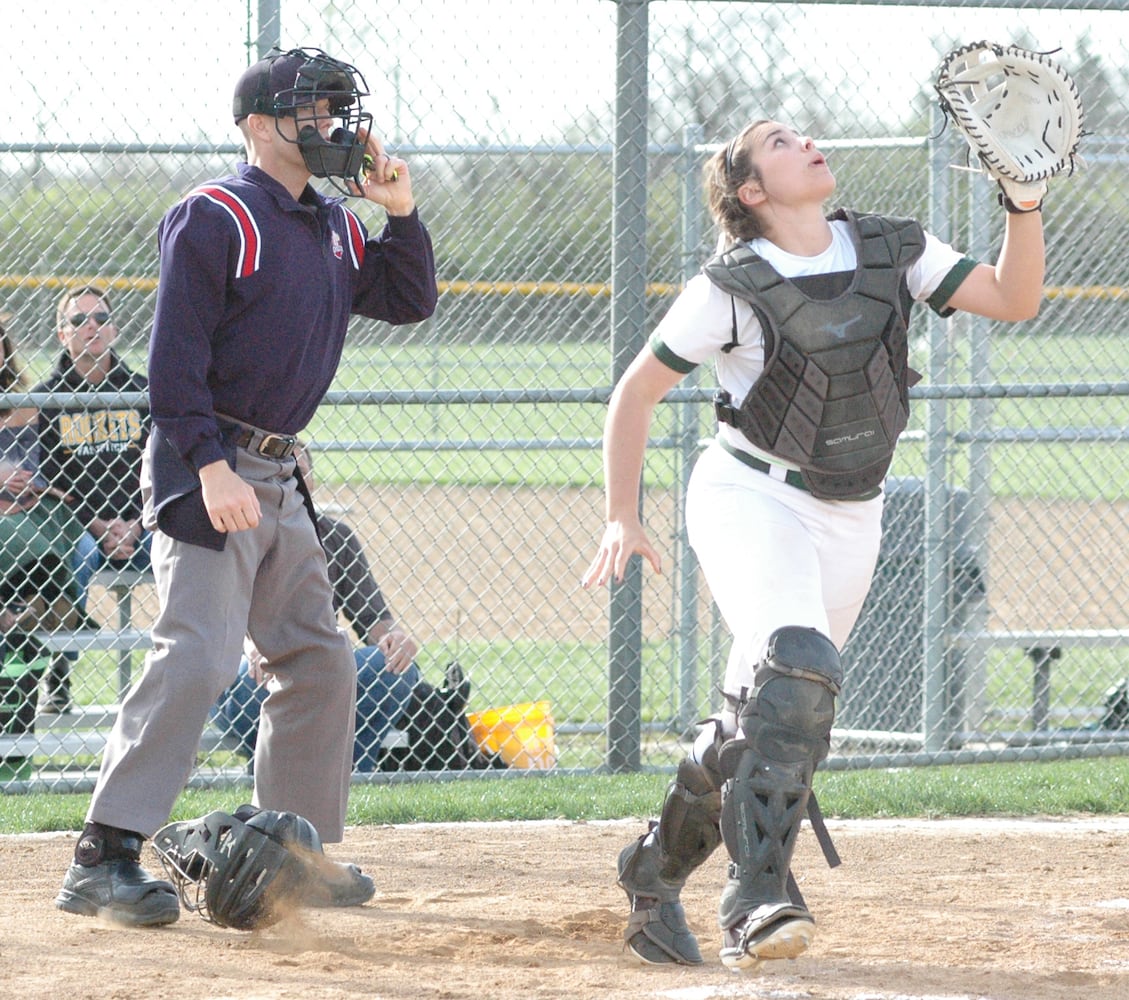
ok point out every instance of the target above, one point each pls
(1058, 788)
(450, 446)
(1063, 470)
(1055, 789)
(572, 675)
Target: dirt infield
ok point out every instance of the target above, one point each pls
(962, 910)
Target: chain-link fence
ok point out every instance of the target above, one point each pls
(556, 149)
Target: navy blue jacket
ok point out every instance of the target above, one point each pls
(253, 304)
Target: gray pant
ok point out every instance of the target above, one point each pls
(271, 583)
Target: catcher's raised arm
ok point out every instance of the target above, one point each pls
(1020, 113)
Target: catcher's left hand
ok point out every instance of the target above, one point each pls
(1019, 112)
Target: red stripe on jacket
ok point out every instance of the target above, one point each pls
(356, 237)
(249, 242)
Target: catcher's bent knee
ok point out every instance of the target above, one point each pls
(790, 715)
(803, 652)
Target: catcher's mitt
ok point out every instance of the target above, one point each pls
(229, 872)
(1020, 113)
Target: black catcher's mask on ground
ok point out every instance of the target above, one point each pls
(285, 82)
(235, 873)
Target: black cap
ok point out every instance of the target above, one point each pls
(267, 86)
(287, 80)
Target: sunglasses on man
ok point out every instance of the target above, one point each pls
(100, 319)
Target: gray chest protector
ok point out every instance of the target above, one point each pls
(833, 395)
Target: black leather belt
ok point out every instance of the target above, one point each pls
(277, 446)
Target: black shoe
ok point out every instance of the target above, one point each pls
(121, 891)
(335, 884)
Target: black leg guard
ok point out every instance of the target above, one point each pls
(653, 869)
(787, 730)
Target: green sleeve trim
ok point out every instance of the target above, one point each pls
(938, 301)
(670, 359)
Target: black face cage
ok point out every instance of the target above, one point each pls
(190, 874)
(223, 870)
(321, 77)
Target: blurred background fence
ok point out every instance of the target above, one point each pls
(556, 147)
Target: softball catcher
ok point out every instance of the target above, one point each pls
(804, 317)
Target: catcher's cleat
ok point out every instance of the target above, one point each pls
(336, 884)
(769, 932)
(121, 891)
(657, 933)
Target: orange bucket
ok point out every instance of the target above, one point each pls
(524, 736)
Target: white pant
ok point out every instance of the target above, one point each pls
(774, 555)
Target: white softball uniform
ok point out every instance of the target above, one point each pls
(774, 555)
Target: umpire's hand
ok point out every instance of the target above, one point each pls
(229, 499)
(387, 179)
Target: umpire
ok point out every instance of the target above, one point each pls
(259, 273)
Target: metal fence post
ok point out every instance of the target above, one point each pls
(628, 322)
(981, 412)
(687, 433)
(270, 27)
(935, 562)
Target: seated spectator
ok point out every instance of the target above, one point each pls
(93, 455)
(38, 534)
(386, 673)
